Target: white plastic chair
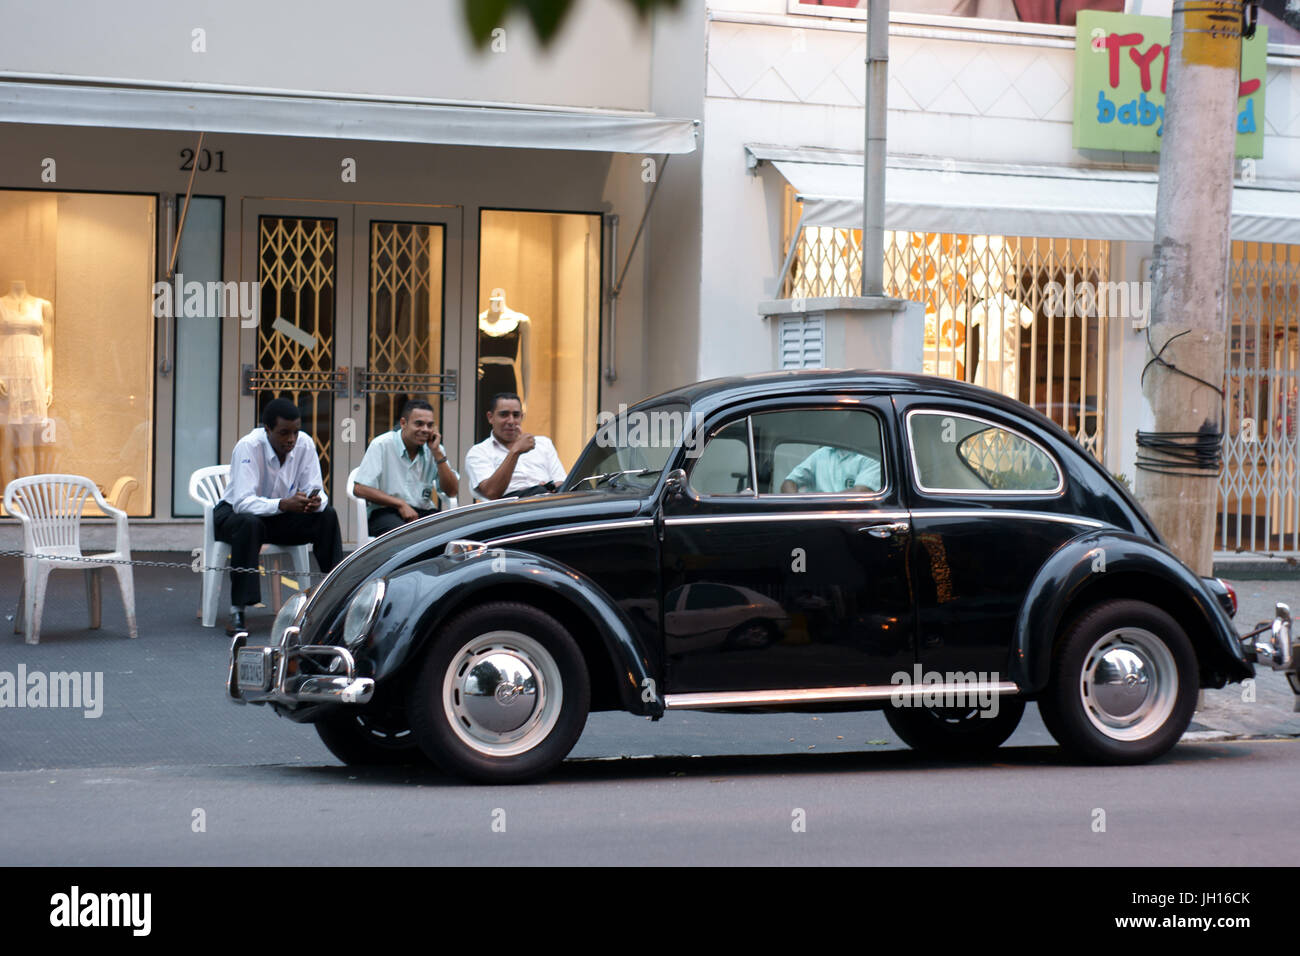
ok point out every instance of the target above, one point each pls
(446, 503)
(207, 485)
(50, 509)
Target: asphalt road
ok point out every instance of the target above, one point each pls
(1208, 804)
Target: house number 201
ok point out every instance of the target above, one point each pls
(205, 160)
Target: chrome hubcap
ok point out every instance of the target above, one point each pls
(502, 693)
(1129, 684)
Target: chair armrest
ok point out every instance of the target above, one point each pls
(119, 520)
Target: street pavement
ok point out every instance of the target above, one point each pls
(86, 789)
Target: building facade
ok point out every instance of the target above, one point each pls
(377, 211)
(349, 210)
(1029, 253)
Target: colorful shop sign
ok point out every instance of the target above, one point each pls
(1121, 64)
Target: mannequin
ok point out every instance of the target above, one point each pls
(1000, 317)
(502, 355)
(26, 378)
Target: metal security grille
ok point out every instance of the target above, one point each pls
(297, 271)
(405, 321)
(1259, 486)
(1022, 315)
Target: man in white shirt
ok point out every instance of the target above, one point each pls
(403, 471)
(275, 495)
(510, 459)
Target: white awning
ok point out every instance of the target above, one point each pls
(1082, 204)
(405, 121)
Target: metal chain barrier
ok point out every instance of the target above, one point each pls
(91, 559)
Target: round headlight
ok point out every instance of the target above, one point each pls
(288, 614)
(361, 612)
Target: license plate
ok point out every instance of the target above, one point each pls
(254, 668)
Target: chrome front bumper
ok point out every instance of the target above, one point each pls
(282, 684)
(1273, 644)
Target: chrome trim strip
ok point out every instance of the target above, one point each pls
(813, 695)
(568, 529)
(792, 516)
(1005, 513)
(972, 492)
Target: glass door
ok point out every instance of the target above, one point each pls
(352, 324)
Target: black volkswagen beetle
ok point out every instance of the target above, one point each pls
(811, 540)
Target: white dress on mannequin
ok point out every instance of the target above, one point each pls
(22, 360)
(1000, 318)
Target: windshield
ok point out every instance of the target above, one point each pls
(629, 450)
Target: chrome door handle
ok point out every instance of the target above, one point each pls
(886, 530)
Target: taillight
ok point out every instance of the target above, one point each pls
(1232, 594)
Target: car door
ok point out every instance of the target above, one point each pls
(989, 505)
(773, 586)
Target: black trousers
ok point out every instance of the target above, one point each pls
(247, 533)
(383, 520)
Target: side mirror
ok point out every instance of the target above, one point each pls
(675, 483)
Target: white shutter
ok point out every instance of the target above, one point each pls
(802, 341)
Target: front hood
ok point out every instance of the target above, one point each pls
(427, 538)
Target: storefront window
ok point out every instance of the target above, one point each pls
(76, 340)
(539, 322)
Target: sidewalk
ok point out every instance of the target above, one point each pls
(1272, 712)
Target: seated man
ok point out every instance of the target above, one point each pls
(403, 471)
(510, 459)
(275, 495)
(833, 471)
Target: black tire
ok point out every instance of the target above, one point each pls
(362, 739)
(1144, 702)
(956, 731)
(473, 735)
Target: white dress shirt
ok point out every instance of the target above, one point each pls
(534, 467)
(258, 481)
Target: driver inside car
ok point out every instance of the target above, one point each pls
(831, 470)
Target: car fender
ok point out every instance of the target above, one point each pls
(1074, 568)
(420, 597)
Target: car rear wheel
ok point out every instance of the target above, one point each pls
(1123, 685)
(956, 731)
(364, 739)
(502, 696)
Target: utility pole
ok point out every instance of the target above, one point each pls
(873, 159)
(1178, 462)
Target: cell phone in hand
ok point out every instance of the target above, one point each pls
(315, 493)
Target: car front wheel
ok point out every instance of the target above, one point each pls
(502, 696)
(956, 731)
(1123, 685)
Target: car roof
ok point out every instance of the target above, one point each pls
(712, 393)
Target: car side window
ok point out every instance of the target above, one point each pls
(960, 453)
(821, 451)
(723, 466)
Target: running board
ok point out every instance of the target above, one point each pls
(820, 695)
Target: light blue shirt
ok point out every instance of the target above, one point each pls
(389, 467)
(836, 471)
